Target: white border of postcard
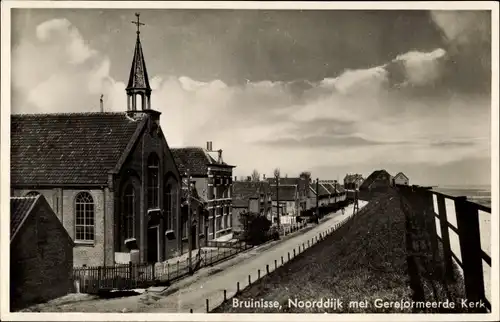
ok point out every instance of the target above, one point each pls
(400, 5)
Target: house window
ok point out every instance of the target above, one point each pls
(211, 226)
(129, 203)
(32, 194)
(153, 181)
(84, 217)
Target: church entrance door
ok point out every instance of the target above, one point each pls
(153, 244)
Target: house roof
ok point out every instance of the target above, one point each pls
(401, 174)
(71, 148)
(372, 177)
(196, 159)
(22, 207)
(286, 192)
(322, 191)
(312, 192)
(285, 181)
(352, 177)
(194, 193)
(242, 191)
(330, 187)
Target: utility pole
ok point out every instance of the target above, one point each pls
(355, 207)
(190, 222)
(317, 198)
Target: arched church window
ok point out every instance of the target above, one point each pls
(129, 206)
(168, 206)
(153, 181)
(84, 217)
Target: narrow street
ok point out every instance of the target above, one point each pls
(212, 285)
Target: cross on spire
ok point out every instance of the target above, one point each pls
(138, 23)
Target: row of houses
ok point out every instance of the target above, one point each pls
(290, 197)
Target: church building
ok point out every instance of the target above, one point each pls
(110, 178)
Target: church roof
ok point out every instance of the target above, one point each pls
(72, 148)
(138, 78)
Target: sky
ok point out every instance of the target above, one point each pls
(326, 91)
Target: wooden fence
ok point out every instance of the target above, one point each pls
(471, 257)
(92, 279)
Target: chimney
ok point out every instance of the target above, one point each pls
(220, 154)
(209, 145)
(235, 178)
(263, 177)
(249, 178)
(101, 104)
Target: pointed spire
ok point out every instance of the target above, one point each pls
(138, 73)
(138, 82)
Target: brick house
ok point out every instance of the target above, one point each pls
(250, 196)
(213, 179)
(323, 195)
(41, 253)
(110, 178)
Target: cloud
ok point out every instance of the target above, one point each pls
(468, 38)
(354, 118)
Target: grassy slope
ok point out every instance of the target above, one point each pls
(364, 260)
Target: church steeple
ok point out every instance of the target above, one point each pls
(138, 89)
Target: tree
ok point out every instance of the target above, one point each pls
(305, 174)
(255, 175)
(256, 228)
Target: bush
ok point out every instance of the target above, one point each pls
(256, 228)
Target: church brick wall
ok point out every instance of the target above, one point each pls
(88, 254)
(137, 161)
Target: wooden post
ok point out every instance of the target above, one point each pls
(258, 274)
(207, 306)
(267, 269)
(190, 310)
(282, 260)
(470, 248)
(275, 264)
(249, 280)
(99, 276)
(225, 295)
(445, 237)
(130, 274)
(294, 252)
(237, 287)
(430, 219)
(288, 256)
